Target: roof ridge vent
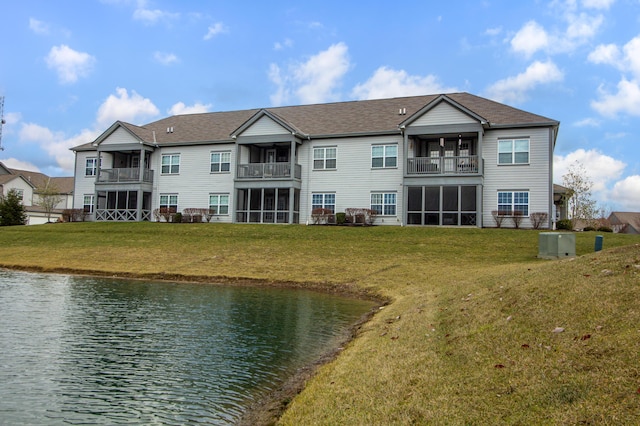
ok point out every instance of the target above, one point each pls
(402, 111)
(170, 129)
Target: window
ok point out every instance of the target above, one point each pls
(169, 202)
(220, 162)
(19, 194)
(87, 203)
(219, 203)
(383, 156)
(323, 201)
(384, 203)
(91, 166)
(171, 164)
(324, 158)
(509, 202)
(513, 151)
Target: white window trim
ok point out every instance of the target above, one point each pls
(384, 204)
(217, 207)
(324, 157)
(91, 205)
(513, 151)
(211, 163)
(169, 204)
(324, 200)
(94, 169)
(513, 202)
(170, 164)
(384, 156)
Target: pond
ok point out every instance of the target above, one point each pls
(82, 350)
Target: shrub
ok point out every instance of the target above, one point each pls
(320, 216)
(360, 216)
(12, 210)
(605, 229)
(538, 219)
(177, 218)
(164, 213)
(499, 216)
(73, 215)
(341, 218)
(565, 224)
(589, 228)
(516, 217)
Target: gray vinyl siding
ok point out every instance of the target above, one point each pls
(83, 184)
(533, 177)
(120, 136)
(441, 114)
(194, 182)
(354, 180)
(264, 126)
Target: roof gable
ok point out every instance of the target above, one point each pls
(443, 111)
(264, 123)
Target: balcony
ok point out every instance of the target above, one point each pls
(130, 175)
(462, 165)
(268, 171)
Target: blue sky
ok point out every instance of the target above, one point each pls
(70, 68)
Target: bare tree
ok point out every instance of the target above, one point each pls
(581, 203)
(48, 198)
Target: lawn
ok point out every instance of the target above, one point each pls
(477, 330)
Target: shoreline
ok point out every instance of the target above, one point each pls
(268, 408)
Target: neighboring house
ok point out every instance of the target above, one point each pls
(447, 159)
(625, 222)
(27, 184)
(561, 197)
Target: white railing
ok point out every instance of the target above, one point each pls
(442, 165)
(268, 171)
(125, 175)
(121, 215)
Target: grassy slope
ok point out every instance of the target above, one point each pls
(467, 339)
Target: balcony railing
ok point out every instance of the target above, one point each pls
(125, 175)
(443, 165)
(268, 171)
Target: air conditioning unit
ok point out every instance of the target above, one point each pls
(556, 245)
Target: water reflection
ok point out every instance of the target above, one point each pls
(87, 350)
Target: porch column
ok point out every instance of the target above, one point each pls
(292, 158)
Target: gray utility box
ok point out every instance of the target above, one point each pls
(556, 245)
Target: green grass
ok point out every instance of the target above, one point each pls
(467, 337)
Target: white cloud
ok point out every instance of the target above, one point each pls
(14, 163)
(597, 4)
(180, 108)
(587, 122)
(69, 64)
(606, 54)
(529, 39)
(38, 27)
(626, 193)
(214, 30)
(626, 100)
(313, 81)
(493, 31)
(126, 108)
(285, 44)
(55, 143)
(601, 168)
(513, 89)
(165, 58)
(388, 83)
(152, 16)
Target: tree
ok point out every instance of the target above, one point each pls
(581, 205)
(11, 209)
(49, 197)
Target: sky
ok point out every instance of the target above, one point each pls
(70, 68)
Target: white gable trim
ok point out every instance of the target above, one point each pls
(442, 114)
(265, 126)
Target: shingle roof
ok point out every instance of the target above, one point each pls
(340, 118)
(64, 184)
(632, 219)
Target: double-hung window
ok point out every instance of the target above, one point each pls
(384, 203)
(171, 164)
(91, 166)
(513, 151)
(169, 202)
(384, 156)
(513, 201)
(324, 158)
(220, 162)
(324, 201)
(219, 204)
(87, 203)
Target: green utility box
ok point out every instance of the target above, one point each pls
(556, 245)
